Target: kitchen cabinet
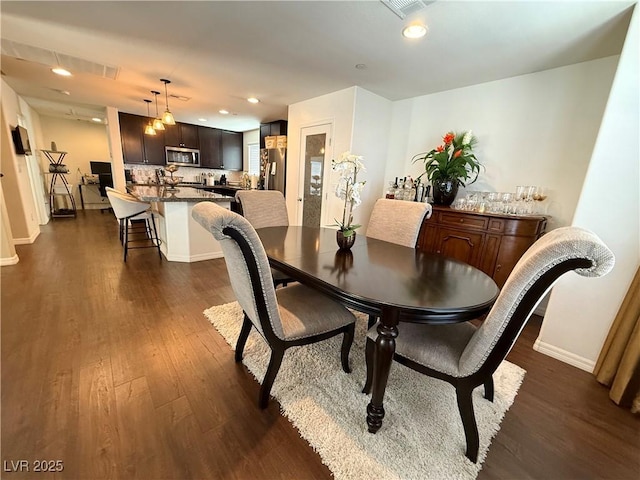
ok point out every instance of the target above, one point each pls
(278, 127)
(209, 147)
(131, 132)
(181, 135)
(493, 243)
(138, 148)
(220, 149)
(231, 150)
(154, 153)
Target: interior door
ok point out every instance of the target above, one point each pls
(316, 156)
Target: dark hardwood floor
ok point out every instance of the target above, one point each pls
(113, 369)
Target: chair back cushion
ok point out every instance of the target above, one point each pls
(397, 221)
(264, 208)
(124, 205)
(555, 247)
(215, 219)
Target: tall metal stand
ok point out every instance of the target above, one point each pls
(58, 172)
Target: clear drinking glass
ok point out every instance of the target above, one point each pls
(472, 201)
(494, 204)
(508, 202)
(459, 204)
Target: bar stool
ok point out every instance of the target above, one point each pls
(127, 208)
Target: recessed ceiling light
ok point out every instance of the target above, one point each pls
(361, 66)
(224, 112)
(252, 100)
(61, 71)
(97, 120)
(417, 30)
(202, 119)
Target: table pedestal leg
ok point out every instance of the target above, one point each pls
(385, 348)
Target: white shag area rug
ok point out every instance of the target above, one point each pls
(421, 435)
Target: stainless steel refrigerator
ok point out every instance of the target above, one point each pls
(273, 168)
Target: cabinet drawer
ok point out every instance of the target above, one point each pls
(460, 244)
(525, 227)
(462, 220)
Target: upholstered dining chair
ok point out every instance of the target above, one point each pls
(127, 209)
(286, 317)
(397, 221)
(466, 356)
(265, 208)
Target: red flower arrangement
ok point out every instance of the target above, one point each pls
(453, 160)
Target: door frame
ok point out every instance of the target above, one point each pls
(323, 126)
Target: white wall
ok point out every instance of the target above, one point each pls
(536, 129)
(252, 136)
(581, 310)
(8, 255)
(361, 122)
(21, 208)
(83, 141)
(371, 124)
(336, 108)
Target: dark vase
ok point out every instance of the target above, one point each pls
(345, 243)
(445, 191)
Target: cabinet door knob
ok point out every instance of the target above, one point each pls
(462, 220)
(498, 267)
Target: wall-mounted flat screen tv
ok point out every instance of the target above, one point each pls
(21, 141)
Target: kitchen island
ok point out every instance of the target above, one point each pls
(182, 239)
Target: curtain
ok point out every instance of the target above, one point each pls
(618, 365)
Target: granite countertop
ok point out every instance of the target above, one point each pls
(181, 194)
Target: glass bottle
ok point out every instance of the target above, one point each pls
(411, 191)
(419, 192)
(391, 191)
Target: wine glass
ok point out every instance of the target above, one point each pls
(540, 194)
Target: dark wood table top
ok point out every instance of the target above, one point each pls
(373, 275)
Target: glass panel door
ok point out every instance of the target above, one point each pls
(316, 156)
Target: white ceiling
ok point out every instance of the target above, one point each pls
(219, 53)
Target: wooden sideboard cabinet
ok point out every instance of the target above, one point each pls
(491, 242)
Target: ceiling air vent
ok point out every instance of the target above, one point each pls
(182, 98)
(51, 58)
(402, 8)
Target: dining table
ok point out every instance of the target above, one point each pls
(391, 282)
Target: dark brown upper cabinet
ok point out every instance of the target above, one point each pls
(279, 127)
(231, 147)
(219, 149)
(210, 148)
(137, 147)
(181, 135)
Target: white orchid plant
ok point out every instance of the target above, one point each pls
(348, 189)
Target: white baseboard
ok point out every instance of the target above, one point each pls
(189, 258)
(9, 260)
(27, 240)
(564, 356)
(193, 258)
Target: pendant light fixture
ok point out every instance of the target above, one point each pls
(157, 122)
(148, 130)
(167, 117)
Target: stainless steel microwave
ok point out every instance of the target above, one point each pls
(189, 157)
